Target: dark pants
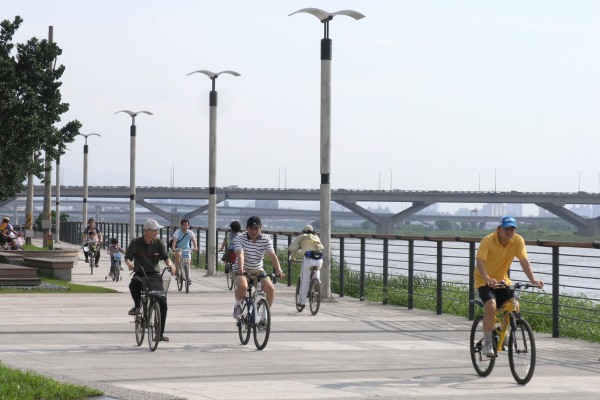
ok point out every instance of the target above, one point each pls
(87, 253)
(135, 288)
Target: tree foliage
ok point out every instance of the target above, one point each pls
(30, 106)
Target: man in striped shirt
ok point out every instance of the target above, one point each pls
(250, 248)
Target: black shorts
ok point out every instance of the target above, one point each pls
(500, 295)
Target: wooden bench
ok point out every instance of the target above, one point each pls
(13, 259)
(52, 267)
(14, 275)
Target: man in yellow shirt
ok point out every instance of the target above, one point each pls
(494, 257)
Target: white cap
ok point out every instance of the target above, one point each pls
(152, 224)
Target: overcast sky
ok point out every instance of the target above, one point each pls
(426, 95)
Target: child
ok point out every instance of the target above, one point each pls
(113, 249)
(93, 245)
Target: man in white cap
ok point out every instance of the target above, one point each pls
(495, 255)
(310, 246)
(145, 253)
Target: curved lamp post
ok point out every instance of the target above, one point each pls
(212, 170)
(85, 175)
(326, 56)
(132, 114)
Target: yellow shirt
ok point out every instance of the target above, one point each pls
(498, 258)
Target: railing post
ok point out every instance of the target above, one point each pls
(411, 274)
(471, 280)
(361, 289)
(439, 278)
(342, 276)
(555, 292)
(206, 252)
(289, 262)
(385, 271)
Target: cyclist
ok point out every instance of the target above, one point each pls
(91, 227)
(93, 245)
(183, 239)
(495, 256)
(310, 245)
(229, 254)
(7, 234)
(145, 252)
(250, 248)
(112, 250)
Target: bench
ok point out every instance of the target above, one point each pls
(52, 267)
(14, 275)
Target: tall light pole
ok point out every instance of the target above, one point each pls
(494, 179)
(132, 114)
(85, 175)
(598, 173)
(579, 184)
(479, 187)
(212, 170)
(390, 179)
(325, 188)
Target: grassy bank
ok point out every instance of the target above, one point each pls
(58, 286)
(28, 385)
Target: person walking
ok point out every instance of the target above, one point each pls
(145, 252)
(311, 248)
(494, 258)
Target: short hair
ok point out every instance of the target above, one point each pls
(114, 241)
(184, 220)
(235, 226)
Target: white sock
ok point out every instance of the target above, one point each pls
(487, 338)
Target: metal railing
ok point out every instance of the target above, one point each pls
(373, 265)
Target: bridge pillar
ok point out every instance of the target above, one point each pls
(385, 227)
(591, 228)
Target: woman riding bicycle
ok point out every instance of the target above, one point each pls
(310, 245)
(227, 245)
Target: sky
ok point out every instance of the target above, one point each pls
(426, 95)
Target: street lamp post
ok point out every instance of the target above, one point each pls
(132, 114)
(390, 179)
(212, 170)
(479, 187)
(579, 183)
(85, 175)
(325, 167)
(494, 179)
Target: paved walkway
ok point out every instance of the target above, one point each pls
(350, 350)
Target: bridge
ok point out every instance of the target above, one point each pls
(554, 202)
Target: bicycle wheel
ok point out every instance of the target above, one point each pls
(179, 279)
(117, 271)
(92, 264)
(482, 364)
(298, 296)
(521, 352)
(153, 325)
(230, 279)
(262, 326)
(243, 325)
(140, 329)
(314, 296)
(186, 277)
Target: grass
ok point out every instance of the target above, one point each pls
(25, 385)
(65, 287)
(579, 316)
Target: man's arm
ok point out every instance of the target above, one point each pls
(526, 265)
(484, 275)
(275, 263)
(240, 261)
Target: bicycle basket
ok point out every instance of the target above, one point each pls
(117, 256)
(153, 285)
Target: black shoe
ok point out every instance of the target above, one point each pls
(87, 261)
(300, 306)
(134, 311)
(164, 339)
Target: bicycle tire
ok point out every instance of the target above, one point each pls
(154, 325)
(92, 264)
(521, 352)
(230, 279)
(186, 278)
(314, 296)
(483, 365)
(179, 279)
(299, 308)
(116, 271)
(243, 325)
(140, 329)
(262, 325)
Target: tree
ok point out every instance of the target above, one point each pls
(63, 218)
(30, 106)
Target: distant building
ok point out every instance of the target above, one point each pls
(273, 204)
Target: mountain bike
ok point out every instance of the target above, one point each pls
(256, 316)
(91, 249)
(183, 278)
(314, 292)
(521, 342)
(115, 268)
(148, 316)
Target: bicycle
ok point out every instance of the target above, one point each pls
(148, 315)
(229, 269)
(314, 292)
(521, 342)
(115, 268)
(91, 249)
(256, 316)
(183, 278)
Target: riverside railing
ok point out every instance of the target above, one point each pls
(433, 272)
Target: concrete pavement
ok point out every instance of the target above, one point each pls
(350, 350)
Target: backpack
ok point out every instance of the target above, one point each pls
(170, 244)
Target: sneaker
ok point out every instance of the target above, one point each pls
(488, 350)
(237, 311)
(134, 311)
(164, 339)
(300, 306)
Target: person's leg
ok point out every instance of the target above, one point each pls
(135, 288)
(304, 279)
(488, 298)
(269, 289)
(97, 256)
(163, 315)
(240, 293)
(177, 260)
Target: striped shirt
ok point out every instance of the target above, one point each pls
(254, 252)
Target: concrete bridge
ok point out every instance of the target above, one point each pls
(554, 202)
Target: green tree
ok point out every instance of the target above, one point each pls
(63, 218)
(30, 106)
